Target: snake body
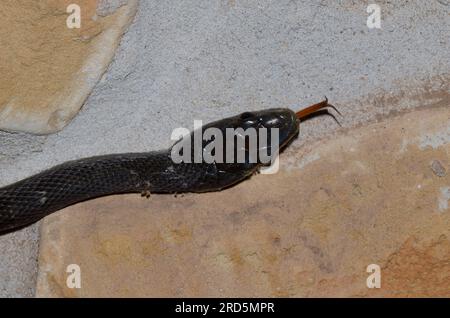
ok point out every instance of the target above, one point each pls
(33, 198)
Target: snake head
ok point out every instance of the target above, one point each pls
(230, 149)
(252, 139)
(224, 152)
(274, 128)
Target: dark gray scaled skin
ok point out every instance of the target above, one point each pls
(33, 198)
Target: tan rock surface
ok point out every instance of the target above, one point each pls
(48, 69)
(378, 194)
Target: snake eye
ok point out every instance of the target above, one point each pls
(246, 115)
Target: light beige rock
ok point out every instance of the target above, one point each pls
(48, 69)
(370, 196)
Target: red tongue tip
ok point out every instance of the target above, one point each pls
(311, 109)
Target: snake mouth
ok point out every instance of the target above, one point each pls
(317, 109)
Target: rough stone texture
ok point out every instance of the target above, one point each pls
(48, 69)
(201, 59)
(368, 196)
(107, 7)
(18, 263)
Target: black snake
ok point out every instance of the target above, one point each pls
(31, 199)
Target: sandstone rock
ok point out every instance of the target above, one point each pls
(48, 69)
(367, 197)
